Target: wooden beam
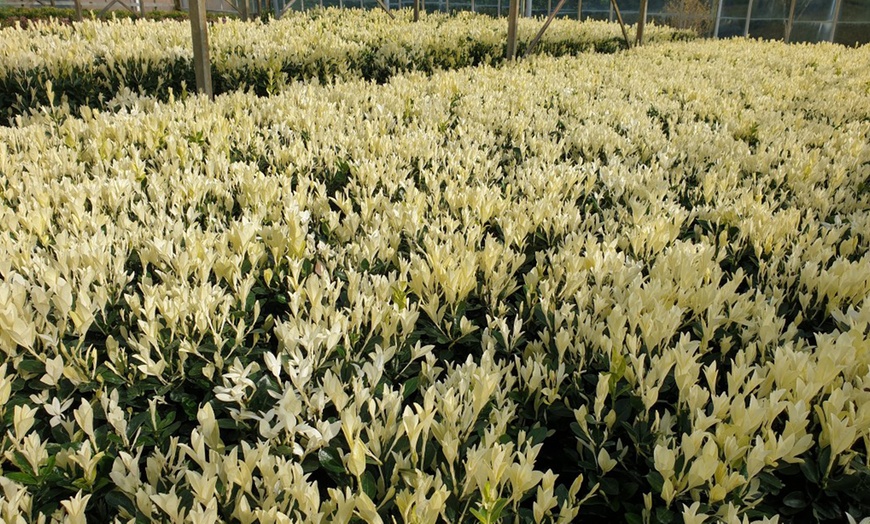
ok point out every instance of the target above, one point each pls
(201, 62)
(78, 5)
(416, 10)
(386, 9)
(748, 19)
(513, 16)
(284, 9)
(837, 6)
(233, 5)
(641, 22)
(615, 7)
(540, 34)
(789, 23)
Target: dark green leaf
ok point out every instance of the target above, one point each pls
(226, 423)
(665, 516)
(633, 518)
(770, 482)
(498, 508)
(810, 470)
(609, 486)
(538, 435)
(827, 511)
(824, 459)
(843, 483)
(21, 478)
(656, 481)
(331, 460)
(410, 387)
(369, 486)
(117, 500)
(32, 366)
(795, 499)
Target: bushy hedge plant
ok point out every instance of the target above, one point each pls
(631, 287)
(86, 64)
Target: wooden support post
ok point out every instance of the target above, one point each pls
(78, 5)
(789, 23)
(538, 36)
(641, 22)
(580, 10)
(386, 9)
(416, 10)
(615, 8)
(513, 16)
(201, 62)
(243, 8)
(748, 18)
(286, 8)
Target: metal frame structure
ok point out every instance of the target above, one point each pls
(792, 18)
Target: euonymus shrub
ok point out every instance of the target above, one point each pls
(631, 286)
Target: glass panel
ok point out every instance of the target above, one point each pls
(731, 27)
(540, 7)
(851, 34)
(770, 9)
(814, 10)
(629, 18)
(596, 5)
(595, 15)
(767, 29)
(811, 32)
(656, 6)
(734, 8)
(855, 11)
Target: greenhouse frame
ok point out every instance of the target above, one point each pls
(841, 21)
